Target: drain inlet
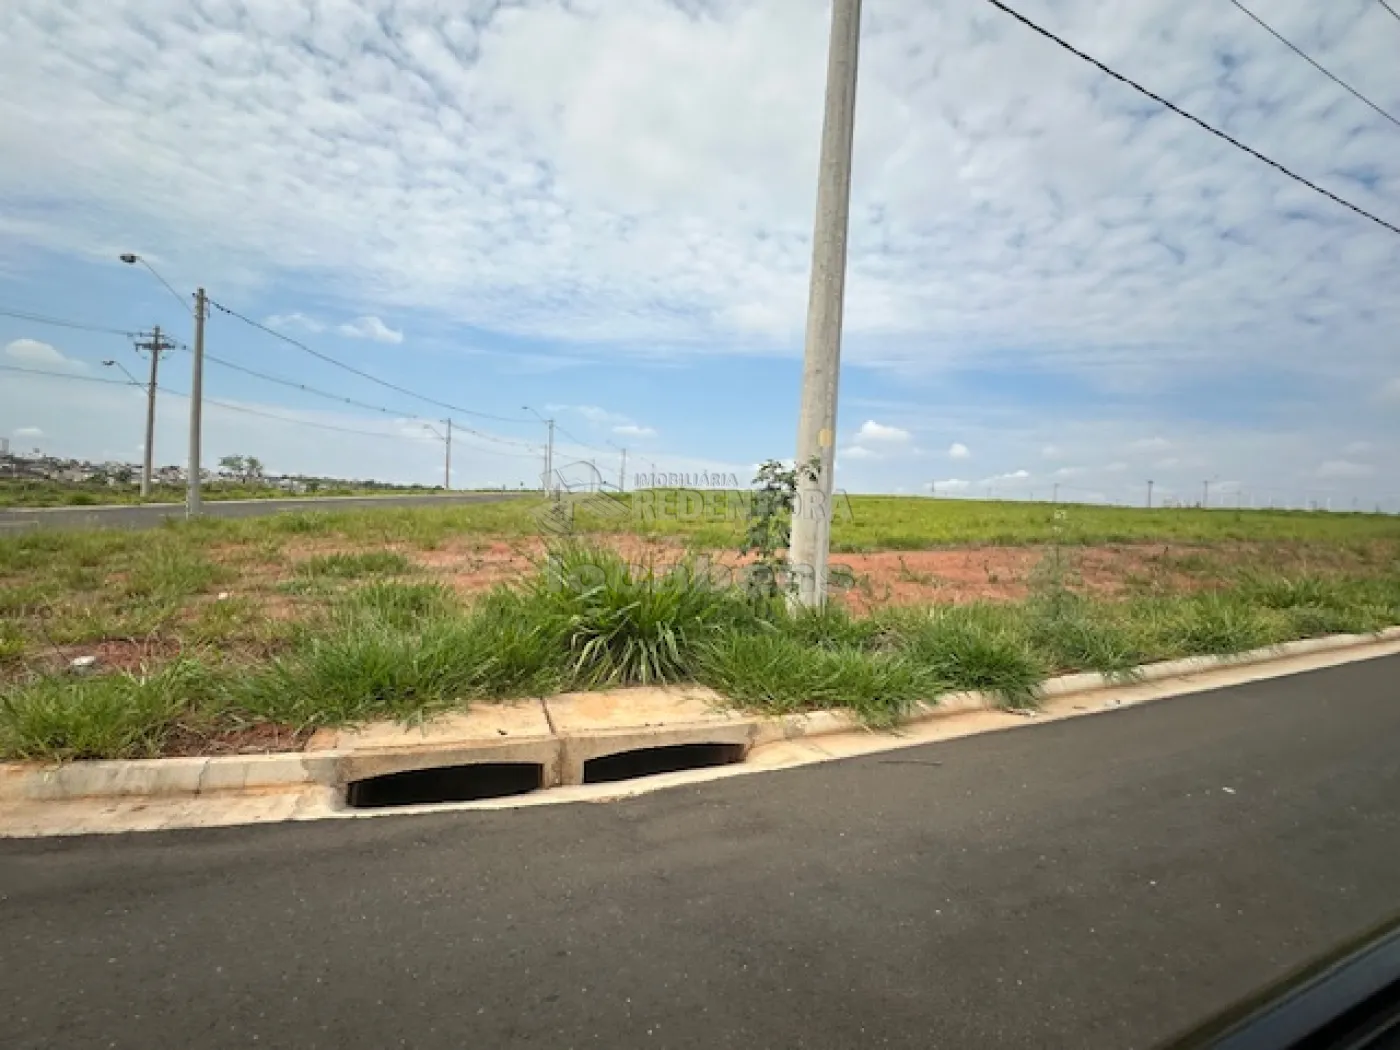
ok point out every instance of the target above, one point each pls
(650, 761)
(469, 783)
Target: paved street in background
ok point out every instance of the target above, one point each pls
(149, 515)
(1095, 882)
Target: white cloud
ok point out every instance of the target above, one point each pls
(957, 450)
(1342, 468)
(1155, 444)
(1050, 452)
(592, 413)
(950, 485)
(295, 320)
(1116, 468)
(859, 452)
(31, 353)
(1070, 472)
(1167, 463)
(370, 327)
(872, 431)
(1359, 448)
(1015, 475)
(28, 432)
(1008, 196)
(634, 431)
(1389, 392)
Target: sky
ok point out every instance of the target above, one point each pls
(602, 210)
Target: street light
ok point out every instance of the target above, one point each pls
(548, 479)
(447, 440)
(622, 470)
(118, 365)
(132, 259)
(192, 492)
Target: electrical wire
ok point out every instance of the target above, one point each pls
(245, 410)
(349, 400)
(582, 444)
(70, 375)
(355, 371)
(1194, 119)
(1393, 12)
(59, 322)
(1316, 65)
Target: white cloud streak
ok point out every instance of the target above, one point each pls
(372, 328)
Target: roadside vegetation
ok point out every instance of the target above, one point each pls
(218, 636)
(17, 493)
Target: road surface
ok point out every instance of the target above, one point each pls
(1096, 882)
(149, 515)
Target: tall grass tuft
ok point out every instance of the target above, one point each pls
(106, 716)
(620, 624)
(779, 674)
(982, 647)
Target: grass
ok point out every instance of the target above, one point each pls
(354, 565)
(308, 637)
(16, 492)
(106, 716)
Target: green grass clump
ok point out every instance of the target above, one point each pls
(621, 624)
(1221, 625)
(981, 646)
(831, 627)
(779, 674)
(355, 565)
(400, 605)
(369, 669)
(168, 572)
(106, 716)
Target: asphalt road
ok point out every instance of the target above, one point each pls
(1099, 882)
(149, 515)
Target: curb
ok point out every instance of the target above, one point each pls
(560, 754)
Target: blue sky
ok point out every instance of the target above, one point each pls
(603, 210)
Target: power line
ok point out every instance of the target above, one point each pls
(1392, 10)
(1194, 119)
(355, 371)
(348, 400)
(70, 375)
(242, 408)
(1316, 65)
(584, 444)
(59, 322)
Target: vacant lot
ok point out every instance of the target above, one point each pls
(245, 635)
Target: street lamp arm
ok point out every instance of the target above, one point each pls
(132, 259)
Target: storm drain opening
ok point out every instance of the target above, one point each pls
(649, 761)
(471, 783)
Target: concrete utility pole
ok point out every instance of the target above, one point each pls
(1205, 494)
(447, 460)
(1149, 494)
(622, 473)
(816, 428)
(155, 346)
(192, 497)
(550, 486)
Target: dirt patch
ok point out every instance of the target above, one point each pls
(261, 739)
